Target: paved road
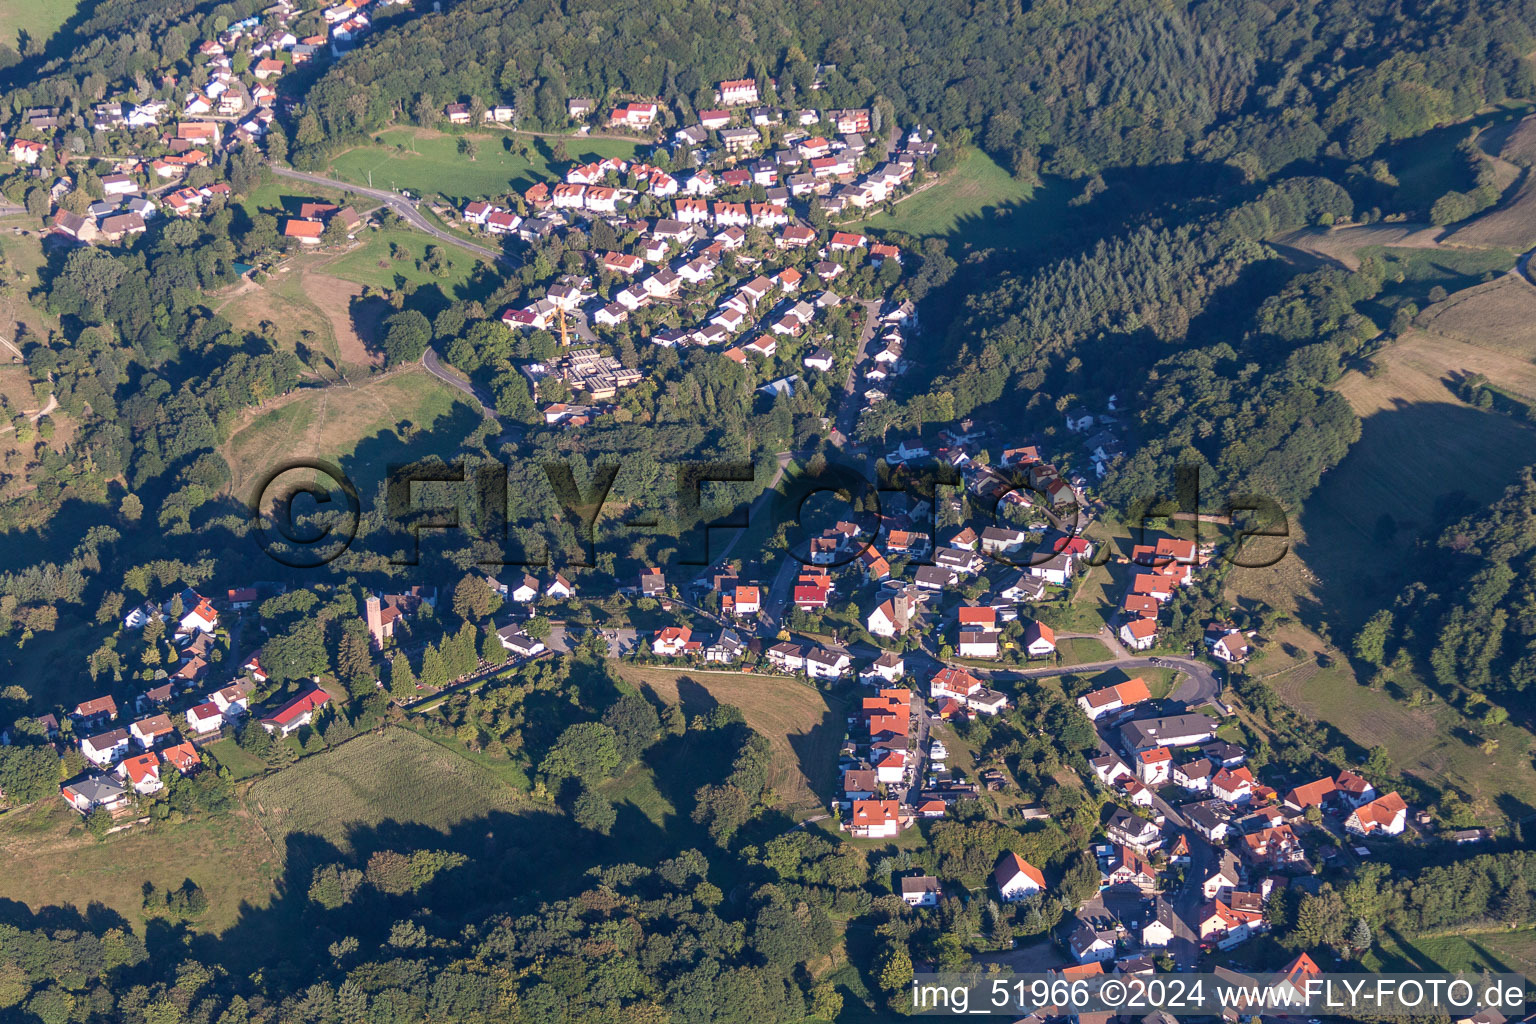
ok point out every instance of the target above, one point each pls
(435, 367)
(1200, 683)
(402, 206)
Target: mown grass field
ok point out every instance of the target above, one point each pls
(427, 161)
(393, 258)
(977, 201)
(282, 198)
(51, 861)
(389, 776)
(1512, 951)
(240, 764)
(23, 256)
(1419, 447)
(394, 415)
(1082, 650)
(39, 19)
(804, 729)
(1431, 743)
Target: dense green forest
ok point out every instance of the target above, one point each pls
(1070, 89)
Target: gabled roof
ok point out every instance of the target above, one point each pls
(1011, 866)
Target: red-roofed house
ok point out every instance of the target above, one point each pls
(1384, 816)
(875, 819)
(1113, 698)
(142, 773)
(1016, 878)
(298, 712)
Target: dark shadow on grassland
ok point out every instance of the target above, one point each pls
(1416, 468)
(515, 861)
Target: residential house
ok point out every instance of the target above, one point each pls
(1134, 831)
(1000, 542)
(1313, 794)
(94, 712)
(1109, 699)
(149, 733)
(875, 819)
(920, 891)
(1224, 877)
(889, 666)
(673, 641)
(95, 792)
(726, 648)
(1384, 816)
(1039, 640)
(1088, 944)
(1234, 785)
(1277, 848)
(1126, 867)
(142, 773)
(1016, 878)
(1160, 929)
(1154, 766)
(1194, 776)
(205, 719)
(891, 767)
(1353, 789)
(105, 748)
(859, 784)
(826, 663)
(1230, 646)
(1139, 634)
(978, 642)
(296, 713)
(1172, 731)
(1208, 819)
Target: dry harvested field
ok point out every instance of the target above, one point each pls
(1499, 316)
(357, 336)
(1512, 222)
(1418, 445)
(805, 731)
(314, 310)
(390, 776)
(1344, 244)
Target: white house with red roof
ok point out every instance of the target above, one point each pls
(1384, 816)
(1154, 766)
(1139, 634)
(1113, 698)
(875, 819)
(205, 719)
(297, 713)
(1017, 878)
(142, 773)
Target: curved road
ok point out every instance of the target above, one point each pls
(400, 205)
(435, 367)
